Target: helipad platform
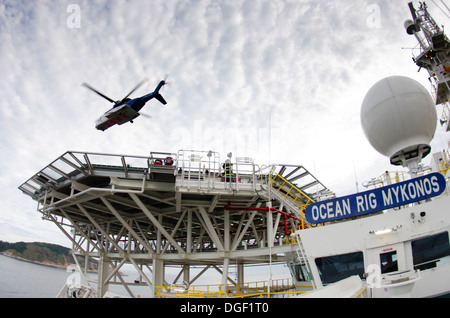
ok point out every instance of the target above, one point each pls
(182, 209)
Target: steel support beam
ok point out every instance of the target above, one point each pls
(64, 231)
(156, 223)
(210, 229)
(125, 224)
(239, 238)
(99, 228)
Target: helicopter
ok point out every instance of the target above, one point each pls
(126, 109)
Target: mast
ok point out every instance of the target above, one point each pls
(433, 54)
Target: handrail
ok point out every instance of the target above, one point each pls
(71, 163)
(248, 289)
(268, 294)
(362, 290)
(273, 175)
(205, 170)
(272, 180)
(386, 178)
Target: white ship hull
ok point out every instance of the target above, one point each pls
(404, 246)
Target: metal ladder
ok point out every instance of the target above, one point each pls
(303, 258)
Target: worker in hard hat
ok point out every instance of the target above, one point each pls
(228, 170)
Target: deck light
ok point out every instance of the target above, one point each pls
(386, 231)
(381, 232)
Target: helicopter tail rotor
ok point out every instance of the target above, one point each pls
(166, 82)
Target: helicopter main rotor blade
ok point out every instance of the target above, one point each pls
(137, 86)
(146, 115)
(96, 91)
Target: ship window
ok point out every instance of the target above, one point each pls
(389, 262)
(432, 251)
(300, 273)
(338, 267)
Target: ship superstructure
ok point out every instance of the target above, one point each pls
(402, 251)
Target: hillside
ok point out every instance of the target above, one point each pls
(43, 253)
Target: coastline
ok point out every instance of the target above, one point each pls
(50, 264)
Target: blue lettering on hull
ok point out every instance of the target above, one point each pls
(391, 196)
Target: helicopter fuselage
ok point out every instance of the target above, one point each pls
(118, 115)
(127, 110)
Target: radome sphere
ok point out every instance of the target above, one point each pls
(398, 113)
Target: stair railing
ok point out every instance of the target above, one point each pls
(288, 192)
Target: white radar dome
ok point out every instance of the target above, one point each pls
(399, 119)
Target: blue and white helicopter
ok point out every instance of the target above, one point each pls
(125, 110)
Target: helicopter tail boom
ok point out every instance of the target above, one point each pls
(160, 85)
(156, 94)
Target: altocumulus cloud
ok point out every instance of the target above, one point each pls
(245, 74)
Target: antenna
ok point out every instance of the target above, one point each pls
(434, 49)
(445, 5)
(441, 8)
(389, 116)
(356, 177)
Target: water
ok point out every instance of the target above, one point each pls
(19, 279)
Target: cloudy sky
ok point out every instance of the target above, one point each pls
(280, 81)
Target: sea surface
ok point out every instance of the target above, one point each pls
(20, 279)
